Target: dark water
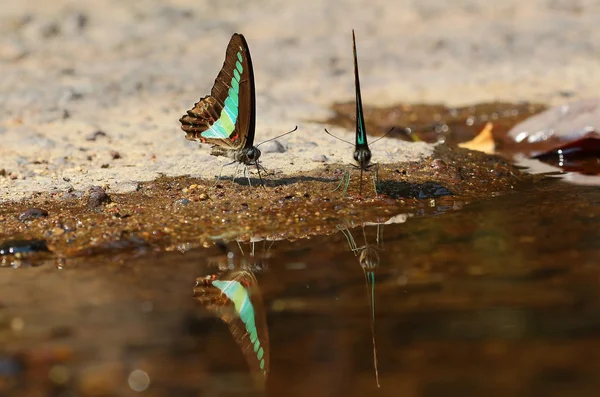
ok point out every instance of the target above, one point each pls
(498, 298)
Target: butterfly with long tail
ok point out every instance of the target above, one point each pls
(226, 119)
(368, 257)
(236, 298)
(362, 153)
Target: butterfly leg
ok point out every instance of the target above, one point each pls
(345, 191)
(376, 180)
(350, 239)
(221, 173)
(237, 168)
(247, 175)
(258, 166)
(240, 247)
(345, 179)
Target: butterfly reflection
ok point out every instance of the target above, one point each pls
(368, 257)
(233, 295)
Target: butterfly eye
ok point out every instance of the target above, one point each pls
(362, 156)
(253, 154)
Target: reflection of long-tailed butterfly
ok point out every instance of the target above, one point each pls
(226, 118)
(236, 299)
(362, 153)
(368, 257)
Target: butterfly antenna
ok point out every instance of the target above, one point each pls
(343, 140)
(278, 136)
(384, 135)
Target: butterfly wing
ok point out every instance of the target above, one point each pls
(236, 299)
(226, 118)
(361, 131)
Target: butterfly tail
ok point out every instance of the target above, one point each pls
(370, 279)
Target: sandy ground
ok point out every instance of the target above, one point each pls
(129, 69)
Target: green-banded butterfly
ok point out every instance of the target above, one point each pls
(236, 298)
(226, 118)
(362, 153)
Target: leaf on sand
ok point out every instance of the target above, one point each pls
(483, 142)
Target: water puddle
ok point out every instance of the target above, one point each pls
(499, 296)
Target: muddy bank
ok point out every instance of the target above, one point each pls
(182, 213)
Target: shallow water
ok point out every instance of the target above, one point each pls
(497, 297)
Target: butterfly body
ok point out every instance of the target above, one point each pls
(226, 118)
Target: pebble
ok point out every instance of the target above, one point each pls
(96, 196)
(321, 158)
(57, 231)
(182, 202)
(14, 247)
(438, 164)
(33, 213)
(94, 135)
(11, 50)
(272, 147)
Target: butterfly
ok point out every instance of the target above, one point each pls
(236, 299)
(226, 119)
(362, 153)
(368, 257)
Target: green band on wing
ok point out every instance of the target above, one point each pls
(224, 127)
(360, 137)
(241, 300)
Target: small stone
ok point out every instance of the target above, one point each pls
(438, 164)
(115, 155)
(203, 196)
(2, 172)
(96, 196)
(57, 231)
(95, 135)
(12, 50)
(321, 158)
(272, 147)
(71, 195)
(33, 213)
(182, 202)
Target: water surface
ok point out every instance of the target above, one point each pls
(497, 297)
